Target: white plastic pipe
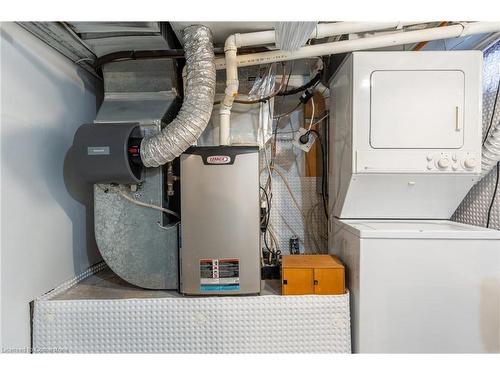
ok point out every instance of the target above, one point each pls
(232, 83)
(408, 37)
(322, 30)
(233, 42)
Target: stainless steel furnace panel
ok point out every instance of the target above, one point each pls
(220, 234)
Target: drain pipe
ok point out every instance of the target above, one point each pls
(388, 40)
(232, 83)
(235, 41)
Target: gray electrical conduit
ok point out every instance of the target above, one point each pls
(120, 191)
(147, 205)
(196, 109)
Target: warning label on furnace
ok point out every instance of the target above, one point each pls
(219, 274)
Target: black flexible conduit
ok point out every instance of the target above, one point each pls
(160, 54)
(305, 86)
(136, 55)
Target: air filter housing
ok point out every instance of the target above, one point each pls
(108, 153)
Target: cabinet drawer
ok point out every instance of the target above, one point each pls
(329, 281)
(297, 281)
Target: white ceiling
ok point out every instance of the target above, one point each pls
(221, 30)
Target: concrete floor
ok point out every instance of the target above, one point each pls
(107, 285)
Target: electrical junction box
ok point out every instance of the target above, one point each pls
(220, 226)
(312, 274)
(405, 133)
(306, 147)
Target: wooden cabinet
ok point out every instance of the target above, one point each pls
(329, 281)
(297, 281)
(312, 274)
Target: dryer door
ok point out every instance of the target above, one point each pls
(417, 109)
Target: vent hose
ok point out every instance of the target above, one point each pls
(491, 151)
(196, 109)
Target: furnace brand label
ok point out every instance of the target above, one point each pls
(219, 274)
(219, 159)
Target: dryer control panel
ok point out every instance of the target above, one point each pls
(421, 161)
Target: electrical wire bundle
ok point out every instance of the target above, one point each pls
(270, 239)
(272, 168)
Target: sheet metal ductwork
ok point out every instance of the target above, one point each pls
(196, 109)
(136, 223)
(140, 244)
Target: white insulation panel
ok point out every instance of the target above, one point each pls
(176, 324)
(474, 208)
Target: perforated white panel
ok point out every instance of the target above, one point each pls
(287, 220)
(474, 208)
(258, 324)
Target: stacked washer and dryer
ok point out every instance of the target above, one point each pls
(405, 149)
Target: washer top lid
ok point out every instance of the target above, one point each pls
(439, 229)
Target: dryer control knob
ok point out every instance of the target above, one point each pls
(470, 163)
(443, 163)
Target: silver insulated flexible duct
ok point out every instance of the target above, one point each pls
(196, 109)
(491, 151)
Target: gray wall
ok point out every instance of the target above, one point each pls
(46, 221)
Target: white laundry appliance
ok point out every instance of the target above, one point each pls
(405, 133)
(405, 148)
(421, 286)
